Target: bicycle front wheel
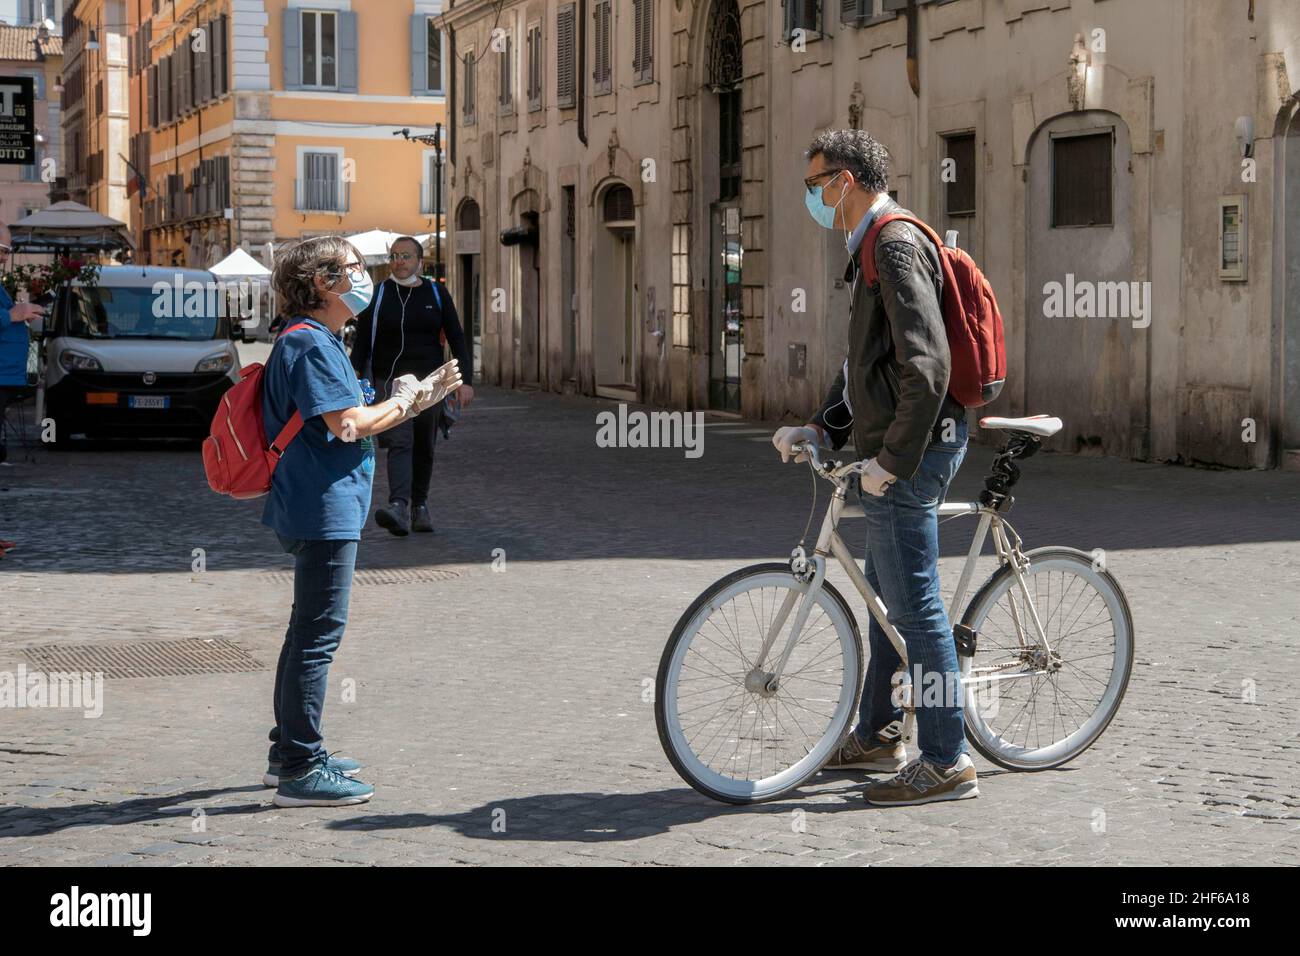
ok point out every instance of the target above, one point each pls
(728, 734)
(1030, 707)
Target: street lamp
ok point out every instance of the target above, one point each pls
(437, 200)
(433, 139)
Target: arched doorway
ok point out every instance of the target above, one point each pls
(721, 182)
(469, 248)
(614, 294)
(1079, 288)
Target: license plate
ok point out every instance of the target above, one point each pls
(148, 401)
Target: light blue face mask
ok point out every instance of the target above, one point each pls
(822, 214)
(358, 297)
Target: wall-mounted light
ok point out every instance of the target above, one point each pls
(93, 42)
(1246, 136)
(58, 83)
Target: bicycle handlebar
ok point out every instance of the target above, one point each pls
(831, 470)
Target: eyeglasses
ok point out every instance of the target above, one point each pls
(811, 182)
(401, 256)
(354, 268)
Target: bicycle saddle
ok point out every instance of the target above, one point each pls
(1044, 426)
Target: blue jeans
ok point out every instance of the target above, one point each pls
(902, 566)
(322, 584)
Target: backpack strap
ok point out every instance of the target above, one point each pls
(437, 298)
(294, 425)
(374, 329)
(868, 250)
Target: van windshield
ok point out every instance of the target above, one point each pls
(107, 312)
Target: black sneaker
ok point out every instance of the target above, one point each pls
(396, 518)
(420, 520)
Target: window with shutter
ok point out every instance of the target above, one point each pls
(319, 187)
(959, 187)
(319, 49)
(643, 41)
(505, 78)
(535, 67)
(218, 58)
(470, 96)
(805, 15)
(153, 95)
(618, 206)
(858, 12)
(1081, 179)
(565, 60)
(602, 73)
(433, 57)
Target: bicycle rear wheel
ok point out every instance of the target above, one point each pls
(1030, 709)
(727, 735)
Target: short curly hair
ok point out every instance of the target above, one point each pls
(856, 151)
(298, 265)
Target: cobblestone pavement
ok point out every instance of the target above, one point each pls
(522, 691)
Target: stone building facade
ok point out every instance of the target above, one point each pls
(627, 209)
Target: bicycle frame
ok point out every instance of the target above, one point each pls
(829, 543)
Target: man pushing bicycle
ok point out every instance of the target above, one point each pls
(892, 397)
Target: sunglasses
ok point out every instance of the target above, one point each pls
(813, 185)
(401, 256)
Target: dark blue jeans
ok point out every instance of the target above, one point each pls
(902, 566)
(322, 584)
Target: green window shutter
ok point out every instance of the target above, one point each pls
(347, 51)
(292, 49)
(419, 55)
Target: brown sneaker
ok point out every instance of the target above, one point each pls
(923, 782)
(884, 753)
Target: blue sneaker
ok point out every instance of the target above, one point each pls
(344, 765)
(322, 786)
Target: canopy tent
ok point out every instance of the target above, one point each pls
(68, 227)
(374, 244)
(240, 265)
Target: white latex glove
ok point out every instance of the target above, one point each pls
(874, 478)
(437, 385)
(404, 391)
(786, 438)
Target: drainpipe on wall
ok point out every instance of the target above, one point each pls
(582, 72)
(451, 98)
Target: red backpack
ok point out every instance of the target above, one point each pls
(970, 315)
(236, 457)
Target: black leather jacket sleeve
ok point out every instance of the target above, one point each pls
(909, 292)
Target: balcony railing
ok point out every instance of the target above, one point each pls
(321, 195)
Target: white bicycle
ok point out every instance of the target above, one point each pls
(761, 678)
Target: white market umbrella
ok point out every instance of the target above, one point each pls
(374, 245)
(240, 265)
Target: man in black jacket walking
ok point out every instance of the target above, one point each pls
(400, 332)
(891, 397)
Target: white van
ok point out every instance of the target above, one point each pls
(121, 361)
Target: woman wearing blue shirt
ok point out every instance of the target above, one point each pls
(320, 496)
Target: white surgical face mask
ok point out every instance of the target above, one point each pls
(358, 297)
(413, 279)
